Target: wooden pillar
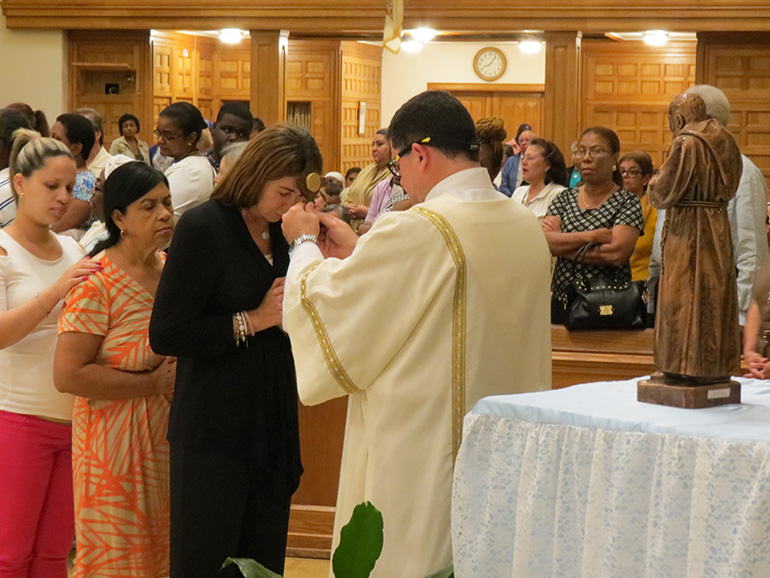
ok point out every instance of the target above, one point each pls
(268, 74)
(562, 89)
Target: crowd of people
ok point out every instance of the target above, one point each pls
(149, 388)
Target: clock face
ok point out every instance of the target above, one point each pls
(489, 64)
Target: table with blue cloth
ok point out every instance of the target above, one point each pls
(588, 482)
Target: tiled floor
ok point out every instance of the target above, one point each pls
(300, 568)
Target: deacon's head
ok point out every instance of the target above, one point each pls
(684, 109)
(435, 137)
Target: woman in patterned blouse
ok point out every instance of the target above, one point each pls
(599, 213)
(119, 449)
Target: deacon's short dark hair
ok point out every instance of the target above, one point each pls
(439, 116)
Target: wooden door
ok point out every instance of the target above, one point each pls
(515, 108)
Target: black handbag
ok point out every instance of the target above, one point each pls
(597, 303)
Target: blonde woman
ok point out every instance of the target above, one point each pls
(37, 269)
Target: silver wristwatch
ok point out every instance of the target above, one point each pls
(302, 239)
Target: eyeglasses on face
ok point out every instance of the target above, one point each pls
(166, 136)
(407, 149)
(393, 168)
(592, 152)
(630, 173)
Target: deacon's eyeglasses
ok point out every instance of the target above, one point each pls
(393, 168)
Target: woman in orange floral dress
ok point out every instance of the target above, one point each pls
(103, 356)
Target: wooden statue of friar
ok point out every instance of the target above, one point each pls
(697, 336)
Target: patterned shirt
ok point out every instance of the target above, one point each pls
(85, 183)
(622, 208)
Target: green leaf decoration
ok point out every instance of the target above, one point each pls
(250, 568)
(360, 543)
(445, 573)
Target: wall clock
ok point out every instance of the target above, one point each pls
(489, 63)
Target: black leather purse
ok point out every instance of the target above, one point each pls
(597, 303)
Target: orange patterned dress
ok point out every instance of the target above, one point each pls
(119, 448)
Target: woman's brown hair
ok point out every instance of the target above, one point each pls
(642, 159)
(278, 152)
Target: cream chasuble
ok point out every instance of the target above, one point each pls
(436, 307)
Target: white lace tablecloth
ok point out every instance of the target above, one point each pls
(588, 482)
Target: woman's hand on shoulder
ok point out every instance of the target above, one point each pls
(74, 275)
(270, 311)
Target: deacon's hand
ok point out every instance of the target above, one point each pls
(337, 239)
(301, 219)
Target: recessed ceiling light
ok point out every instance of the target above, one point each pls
(411, 46)
(423, 34)
(655, 37)
(530, 46)
(230, 35)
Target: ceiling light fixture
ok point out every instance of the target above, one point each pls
(655, 37)
(530, 46)
(422, 34)
(230, 35)
(411, 46)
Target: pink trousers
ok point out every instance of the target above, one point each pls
(36, 510)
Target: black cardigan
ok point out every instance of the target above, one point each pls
(235, 399)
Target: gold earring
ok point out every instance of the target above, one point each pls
(614, 168)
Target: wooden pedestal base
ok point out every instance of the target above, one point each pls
(656, 391)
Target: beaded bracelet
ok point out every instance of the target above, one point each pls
(242, 328)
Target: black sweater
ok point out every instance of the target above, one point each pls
(234, 399)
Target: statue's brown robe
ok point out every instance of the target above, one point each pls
(696, 329)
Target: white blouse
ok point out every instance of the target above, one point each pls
(538, 205)
(26, 368)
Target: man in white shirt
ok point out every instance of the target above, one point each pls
(414, 322)
(99, 156)
(10, 120)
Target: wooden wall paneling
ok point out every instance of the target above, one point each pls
(313, 75)
(514, 103)
(232, 78)
(121, 58)
(562, 98)
(628, 86)
(740, 66)
(361, 81)
(268, 74)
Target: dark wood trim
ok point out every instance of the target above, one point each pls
(485, 87)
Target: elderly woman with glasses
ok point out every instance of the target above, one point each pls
(592, 229)
(191, 177)
(636, 170)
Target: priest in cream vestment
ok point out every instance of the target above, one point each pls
(416, 321)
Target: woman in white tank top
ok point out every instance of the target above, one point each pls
(37, 269)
